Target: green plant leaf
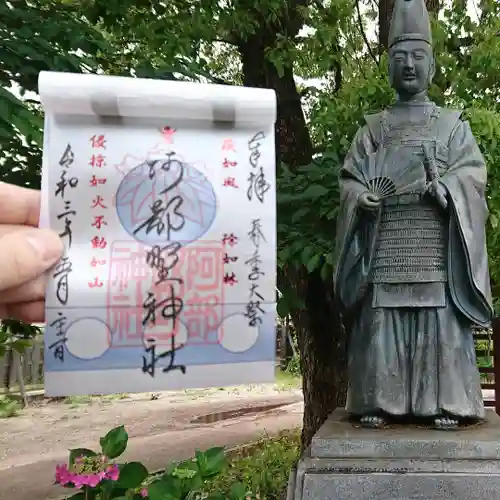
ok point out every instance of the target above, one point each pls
(191, 484)
(493, 220)
(326, 272)
(114, 443)
(187, 468)
(314, 191)
(330, 258)
(185, 476)
(307, 254)
(300, 213)
(283, 307)
(237, 491)
(8, 408)
(211, 461)
(20, 345)
(165, 489)
(80, 452)
(216, 496)
(132, 475)
(313, 263)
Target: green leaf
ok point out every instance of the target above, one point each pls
(114, 443)
(314, 191)
(237, 491)
(188, 476)
(20, 345)
(283, 307)
(191, 484)
(211, 461)
(300, 213)
(132, 475)
(187, 468)
(326, 272)
(493, 220)
(164, 490)
(216, 496)
(313, 263)
(80, 452)
(306, 254)
(332, 214)
(330, 258)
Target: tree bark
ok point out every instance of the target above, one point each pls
(322, 342)
(321, 337)
(9, 363)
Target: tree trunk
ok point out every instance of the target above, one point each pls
(385, 8)
(9, 363)
(322, 344)
(321, 337)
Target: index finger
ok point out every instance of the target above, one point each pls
(18, 205)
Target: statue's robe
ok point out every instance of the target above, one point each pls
(417, 360)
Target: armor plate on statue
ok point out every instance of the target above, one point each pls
(410, 257)
(411, 246)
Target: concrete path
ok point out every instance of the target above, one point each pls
(156, 437)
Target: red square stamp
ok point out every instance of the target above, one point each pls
(135, 297)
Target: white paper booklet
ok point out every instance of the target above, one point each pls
(165, 195)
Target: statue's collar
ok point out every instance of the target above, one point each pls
(425, 101)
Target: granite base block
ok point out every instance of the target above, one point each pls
(400, 463)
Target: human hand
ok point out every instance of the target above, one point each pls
(369, 201)
(439, 192)
(26, 253)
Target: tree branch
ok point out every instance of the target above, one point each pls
(363, 34)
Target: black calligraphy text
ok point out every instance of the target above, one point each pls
(257, 183)
(57, 347)
(64, 187)
(149, 366)
(166, 218)
(253, 308)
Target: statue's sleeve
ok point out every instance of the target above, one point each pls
(355, 227)
(465, 182)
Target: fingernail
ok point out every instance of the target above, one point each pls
(47, 244)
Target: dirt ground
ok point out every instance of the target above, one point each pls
(162, 427)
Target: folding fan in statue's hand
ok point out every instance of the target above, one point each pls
(394, 171)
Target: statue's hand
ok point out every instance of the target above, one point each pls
(439, 192)
(369, 201)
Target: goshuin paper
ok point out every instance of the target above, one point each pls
(164, 194)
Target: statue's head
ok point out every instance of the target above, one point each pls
(411, 66)
(411, 59)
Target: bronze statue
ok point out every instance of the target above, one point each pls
(412, 265)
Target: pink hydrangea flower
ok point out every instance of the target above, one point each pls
(87, 471)
(112, 472)
(144, 492)
(92, 480)
(63, 475)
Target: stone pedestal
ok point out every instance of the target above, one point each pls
(400, 463)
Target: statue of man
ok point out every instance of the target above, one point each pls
(412, 268)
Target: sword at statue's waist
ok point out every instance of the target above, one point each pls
(430, 164)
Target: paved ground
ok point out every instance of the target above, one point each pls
(160, 431)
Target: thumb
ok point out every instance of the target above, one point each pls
(26, 255)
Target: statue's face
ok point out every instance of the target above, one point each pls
(411, 66)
